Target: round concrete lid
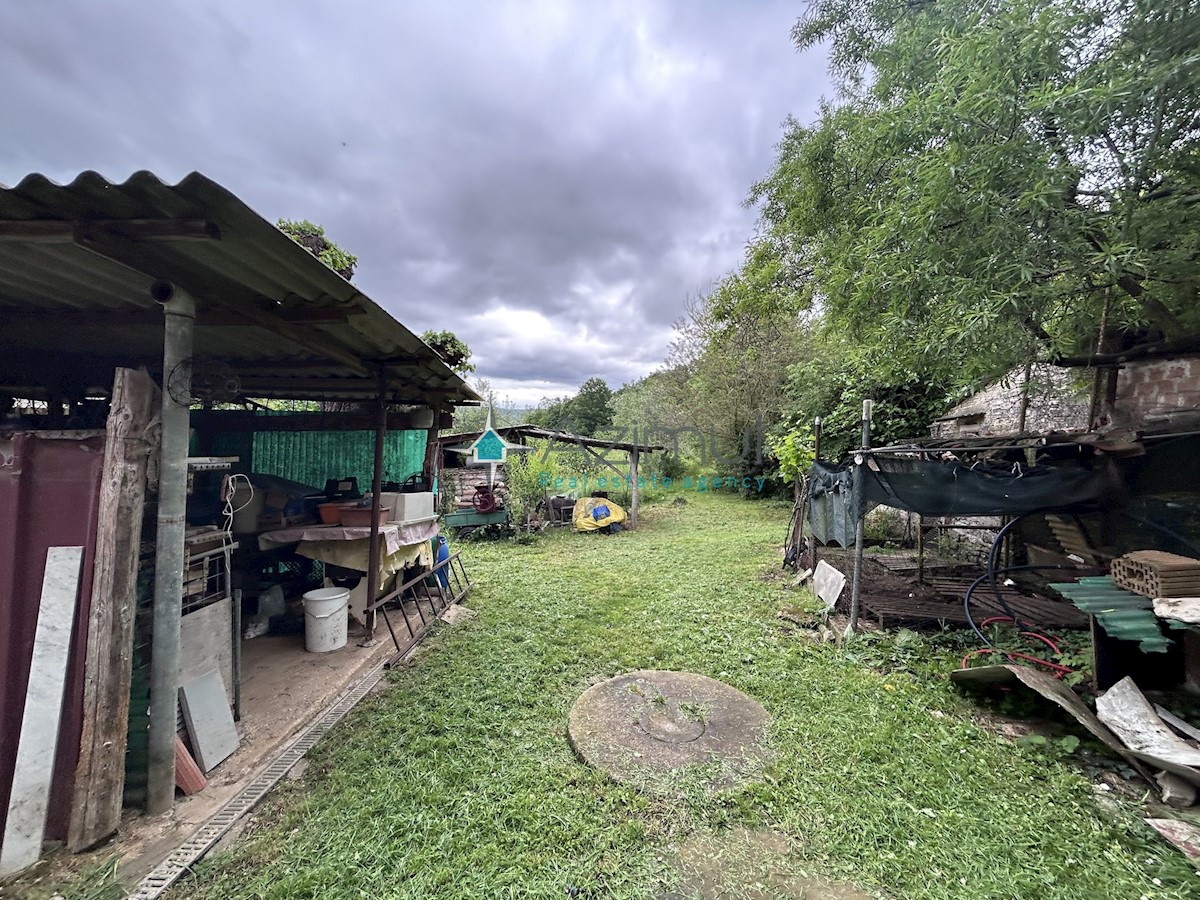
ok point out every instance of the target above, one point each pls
(646, 727)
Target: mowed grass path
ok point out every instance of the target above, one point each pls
(458, 781)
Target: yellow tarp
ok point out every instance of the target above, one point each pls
(583, 514)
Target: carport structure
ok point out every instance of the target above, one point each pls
(216, 304)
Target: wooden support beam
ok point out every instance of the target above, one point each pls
(240, 422)
(430, 465)
(588, 450)
(219, 317)
(633, 488)
(100, 772)
(48, 231)
(399, 391)
(356, 385)
(213, 288)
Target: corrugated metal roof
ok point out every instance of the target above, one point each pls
(1123, 614)
(77, 262)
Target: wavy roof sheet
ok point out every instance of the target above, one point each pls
(77, 262)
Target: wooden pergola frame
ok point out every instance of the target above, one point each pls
(588, 444)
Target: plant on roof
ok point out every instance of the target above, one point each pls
(312, 238)
(452, 349)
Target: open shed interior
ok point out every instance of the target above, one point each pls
(222, 423)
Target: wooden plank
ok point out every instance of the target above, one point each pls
(100, 772)
(221, 290)
(206, 318)
(590, 452)
(26, 823)
(209, 719)
(60, 231)
(188, 777)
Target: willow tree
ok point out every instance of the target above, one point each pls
(993, 178)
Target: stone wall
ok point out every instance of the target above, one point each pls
(1055, 404)
(1155, 389)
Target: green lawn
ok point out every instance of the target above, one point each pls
(458, 781)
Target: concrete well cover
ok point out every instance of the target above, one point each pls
(646, 727)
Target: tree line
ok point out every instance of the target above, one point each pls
(992, 183)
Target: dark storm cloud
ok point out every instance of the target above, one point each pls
(549, 180)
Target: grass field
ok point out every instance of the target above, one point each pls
(458, 781)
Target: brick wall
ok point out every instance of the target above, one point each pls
(1055, 404)
(1152, 389)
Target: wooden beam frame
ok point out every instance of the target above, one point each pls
(208, 318)
(235, 421)
(215, 289)
(108, 664)
(58, 231)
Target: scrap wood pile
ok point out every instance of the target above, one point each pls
(1164, 748)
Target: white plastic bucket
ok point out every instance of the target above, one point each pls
(325, 619)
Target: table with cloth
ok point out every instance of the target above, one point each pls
(401, 544)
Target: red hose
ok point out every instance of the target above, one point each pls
(1059, 670)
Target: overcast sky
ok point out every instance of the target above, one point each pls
(549, 180)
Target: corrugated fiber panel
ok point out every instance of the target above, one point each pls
(310, 457)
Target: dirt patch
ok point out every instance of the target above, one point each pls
(456, 614)
(751, 865)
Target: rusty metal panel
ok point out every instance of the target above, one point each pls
(49, 496)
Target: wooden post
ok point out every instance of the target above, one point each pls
(633, 481)
(376, 499)
(108, 665)
(920, 549)
(859, 531)
(812, 560)
(430, 467)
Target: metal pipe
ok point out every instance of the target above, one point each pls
(859, 528)
(179, 320)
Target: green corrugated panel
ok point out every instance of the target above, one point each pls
(311, 457)
(1123, 614)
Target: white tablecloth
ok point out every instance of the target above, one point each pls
(394, 535)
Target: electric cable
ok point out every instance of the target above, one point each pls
(991, 574)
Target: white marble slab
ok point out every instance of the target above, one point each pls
(25, 825)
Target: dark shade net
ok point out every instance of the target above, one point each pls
(934, 488)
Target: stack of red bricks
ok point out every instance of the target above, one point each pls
(1153, 573)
